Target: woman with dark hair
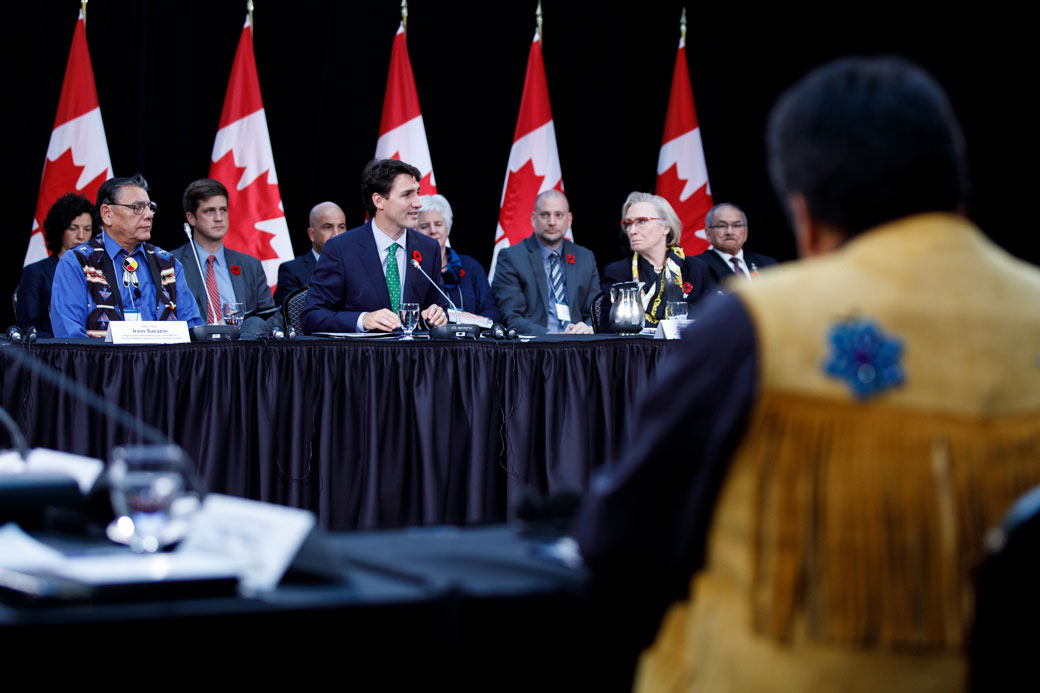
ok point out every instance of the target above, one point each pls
(464, 279)
(69, 222)
(653, 230)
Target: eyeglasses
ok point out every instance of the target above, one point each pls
(638, 222)
(722, 226)
(137, 207)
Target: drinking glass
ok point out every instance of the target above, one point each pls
(409, 314)
(233, 313)
(153, 492)
(675, 310)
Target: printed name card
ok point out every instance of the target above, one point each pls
(671, 329)
(147, 332)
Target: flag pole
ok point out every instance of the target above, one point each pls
(682, 25)
(538, 19)
(249, 11)
(83, 9)
(404, 14)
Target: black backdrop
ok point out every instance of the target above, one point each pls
(162, 70)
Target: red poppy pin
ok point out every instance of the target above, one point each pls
(462, 273)
(235, 269)
(687, 287)
(570, 259)
(417, 256)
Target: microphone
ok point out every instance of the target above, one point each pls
(198, 263)
(416, 265)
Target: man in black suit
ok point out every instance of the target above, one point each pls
(327, 220)
(726, 227)
(366, 273)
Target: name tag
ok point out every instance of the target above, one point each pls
(563, 312)
(147, 332)
(131, 316)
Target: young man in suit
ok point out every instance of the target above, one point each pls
(327, 220)
(547, 283)
(726, 227)
(228, 276)
(365, 274)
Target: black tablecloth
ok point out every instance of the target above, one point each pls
(475, 608)
(364, 433)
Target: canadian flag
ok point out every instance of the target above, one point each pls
(77, 156)
(534, 161)
(242, 160)
(402, 134)
(682, 175)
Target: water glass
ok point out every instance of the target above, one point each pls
(675, 310)
(233, 313)
(409, 314)
(151, 487)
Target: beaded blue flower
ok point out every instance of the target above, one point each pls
(864, 357)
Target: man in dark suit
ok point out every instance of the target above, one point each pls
(327, 220)
(365, 274)
(546, 283)
(726, 227)
(229, 276)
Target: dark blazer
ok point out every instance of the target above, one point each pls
(522, 289)
(348, 280)
(34, 296)
(693, 271)
(250, 284)
(720, 270)
(293, 274)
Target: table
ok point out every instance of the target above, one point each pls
(366, 434)
(476, 608)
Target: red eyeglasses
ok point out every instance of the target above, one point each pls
(638, 222)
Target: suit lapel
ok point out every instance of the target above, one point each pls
(238, 281)
(373, 267)
(571, 280)
(195, 283)
(534, 255)
(413, 279)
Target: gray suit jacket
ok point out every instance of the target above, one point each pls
(250, 284)
(522, 289)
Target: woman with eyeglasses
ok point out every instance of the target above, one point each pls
(464, 279)
(69, 222)
(653, 230)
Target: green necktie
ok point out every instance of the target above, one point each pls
(393, 278)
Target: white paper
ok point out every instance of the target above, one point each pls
(262, 538)
(19, 551)
(147, 332)
(563, 312)
(126, 569)
(85, 470)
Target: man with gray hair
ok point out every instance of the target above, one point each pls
(726, 226)
(547, 283)
(326, 220)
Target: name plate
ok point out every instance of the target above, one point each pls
(147, 332)
(671, 329)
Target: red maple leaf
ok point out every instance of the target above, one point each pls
(691, 212)
(521, 190)
(426, 186)
(59, 177)
(257, 202)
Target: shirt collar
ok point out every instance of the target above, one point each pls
(726, 256)
(316, 254)
(113, 248)
(383, 241)
(546, 250)
(204, 256)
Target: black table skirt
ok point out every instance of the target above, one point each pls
(367, 434)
